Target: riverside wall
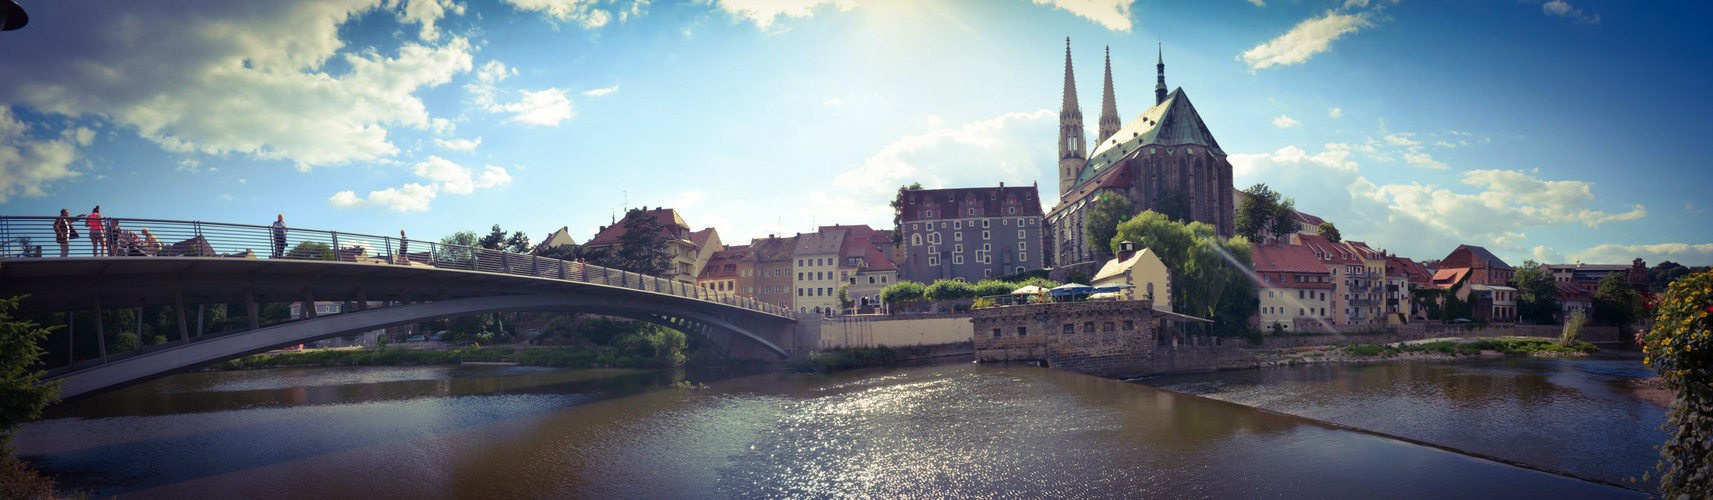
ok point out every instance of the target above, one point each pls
(1350, 335)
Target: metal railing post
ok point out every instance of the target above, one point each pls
(335, 244)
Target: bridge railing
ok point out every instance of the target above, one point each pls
(38, 237)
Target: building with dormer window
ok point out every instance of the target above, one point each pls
(969, 234)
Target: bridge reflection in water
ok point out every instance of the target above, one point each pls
(194, 263)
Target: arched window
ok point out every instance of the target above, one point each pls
(916, 240)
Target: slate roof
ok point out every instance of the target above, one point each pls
(819, 243)
(992, 202)
(1172, 122)
(1493, 261)
(772, 248)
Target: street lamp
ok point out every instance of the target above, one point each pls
(12, 16)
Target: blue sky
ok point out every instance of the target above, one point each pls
(1557, 131)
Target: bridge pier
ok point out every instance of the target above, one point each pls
(178, 307)
(100, 330)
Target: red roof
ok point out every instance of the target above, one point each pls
(1273, 259)
(1363, 250)
(1327, 252)
(1412, 270)
(1445, 278)
(668, 217)
(1574, 292)
(716, 268)
(700, 238)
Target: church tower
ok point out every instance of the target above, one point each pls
(1160, 81)
(1109, 123)
(1073, 147)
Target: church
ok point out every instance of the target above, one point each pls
(1164, 160)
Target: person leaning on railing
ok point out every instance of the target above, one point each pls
(63, 232)
(97, 238)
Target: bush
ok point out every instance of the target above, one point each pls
(1572, 328)
(1680, 348)
(18, 480)
(903, 291)
(949, 290)
(988, 288)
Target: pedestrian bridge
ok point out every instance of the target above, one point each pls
(197, 263)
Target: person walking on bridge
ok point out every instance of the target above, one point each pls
(404, 249)
(63, 232)
(97, 231)
(279, 236)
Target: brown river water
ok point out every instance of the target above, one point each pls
(941, 431)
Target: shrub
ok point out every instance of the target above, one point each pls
(949, 290)
(1680, 348)
(1572, 328)
(903, 291)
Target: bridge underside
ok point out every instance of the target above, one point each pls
(418, 294)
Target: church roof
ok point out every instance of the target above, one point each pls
(1172, 122)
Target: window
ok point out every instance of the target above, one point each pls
(957, 224)
(984, 222)
(1022, 245)
(914, 227)
(930, 213)
(1005, 222)
(1070, 328)
(799, 292)
(883, 279)
(1023, 331)
(958, 248)
(871, 280)
(799, 276)
(958, 236)
(987, 247)
(1022, 256)
(958, 259)
(1129, 325)
(1020, 223)
(1021, 234)
(1011, 211)
(1106, 327)
(972, 212)
(916, 240)
(996, 333)
(942, 225)
(1088, 327)
(933, 259)
(986, 235)
(988, 273)
(1019, 269)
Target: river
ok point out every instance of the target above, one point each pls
(941, 431)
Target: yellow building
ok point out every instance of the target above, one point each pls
(1142, 270)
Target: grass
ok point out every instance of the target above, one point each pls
(1508, 347)
(572, 357)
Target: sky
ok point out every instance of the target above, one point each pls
(1560, 131)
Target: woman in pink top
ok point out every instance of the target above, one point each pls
(97, 231)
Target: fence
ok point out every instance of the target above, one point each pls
(36, 237)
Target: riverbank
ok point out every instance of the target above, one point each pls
(1446, 349)
(1652, 390)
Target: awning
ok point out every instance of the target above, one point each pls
(1181, 318)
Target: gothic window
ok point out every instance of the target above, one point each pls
(972, 212)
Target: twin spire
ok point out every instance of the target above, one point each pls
(1109, 119)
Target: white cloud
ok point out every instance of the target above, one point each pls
(765, 12)
(1424, 160)
(1335, 113)
(831, 102)
(1286, 122)
(689, 198)
(979, 153)
(459, 144)
(224, 77)
(1683, 253)
(540, 107)
(601, 91)
(29, 165)
(1546, 255)
(1562, 9)
(1444, 144)
(1310, 37)
(1258, 3)
(1693, 210)
(226, 196)
(426, 13)
(1496, 208)
(1112, 14)
(191, 165)
(1402, 139)
(1355, 4)
(444, 176)
(588, 14)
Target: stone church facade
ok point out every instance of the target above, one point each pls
(1165, 160)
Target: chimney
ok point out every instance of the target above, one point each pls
(1126, 246)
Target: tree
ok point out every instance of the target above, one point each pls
(22, 395)
(517, 243)
(642, 249)
(1537, 293)
(561, 252)
(898, 212)
(1663, 273)
(1208, 272)
(1680, 349)
(1173, 207)
(1615, 303)
(311, 250)
(1329, 231)
(1103, 220)
(495, 240)
(949, 290)
(1264, 213)
(456, 251)
(903, 291)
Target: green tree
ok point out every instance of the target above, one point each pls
(1537, 293)
(1680, 349)
(898, 212)
(1615, 303)
(949, 290)
(1103, 220)
(311, 250)
(561, 252)
(642, 249)
(1264, 213)
(495, 240)
(1329, 231)
(903, 291)
(1173, 207)
(1208, 272)
(517, 242)
(22, 395)
(989, 288)
(458, 250)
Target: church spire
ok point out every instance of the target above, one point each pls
(1073, 146)
(1160, 81)
(1070, 103)
(1109, 123)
